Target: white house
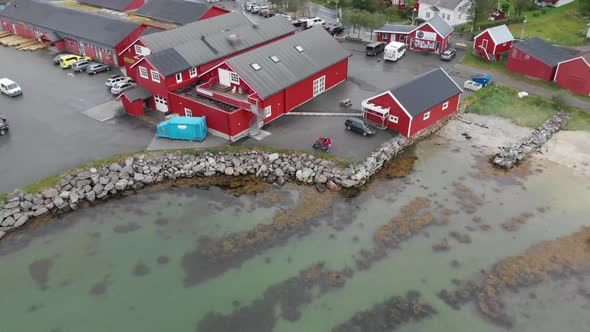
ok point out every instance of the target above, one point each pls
(454, 12)
(552, 3)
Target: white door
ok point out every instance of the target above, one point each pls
(161, 104)
(82, 49)
(224, 77)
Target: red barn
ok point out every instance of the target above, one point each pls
(492, 43)
(245, 92)
(97, 36)
(416, 105)
(433, 36)
(134, 100)
(178, 57)
(574, 74)
(118, 5)
(536, 58)
(393, 32)
(178, 11)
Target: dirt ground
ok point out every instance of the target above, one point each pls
(567, 148)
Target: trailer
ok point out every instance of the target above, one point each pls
(394, 51)
(184, 128)
(484, 79)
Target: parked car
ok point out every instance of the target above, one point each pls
(448, 54)
(336, 29)
(359, 126)
(122, 87)
(249, 6)
(10, 88)
(298, 22)
(260, 9)
(95, 67)
(254, 9)
(313, 22)
(374, 48)
(288, 17)
(470, 85)
(118, 78)
(58, 56)
(3, 125)
(66, 61)
(81, 65)
(267, 12)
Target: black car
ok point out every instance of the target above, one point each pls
(3, 125)
(336, 29)
(359, 126)
(96, 67)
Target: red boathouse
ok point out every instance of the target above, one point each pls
(536, 58)
(574, 74)
(492, 43)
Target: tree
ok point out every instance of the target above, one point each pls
(520, 6)
(585, 7)
(479, 10)
(505, 7)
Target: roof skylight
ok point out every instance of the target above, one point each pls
(275, 59)
(299, 48)
(255, 66)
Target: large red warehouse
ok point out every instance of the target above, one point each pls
(179, 12)
(492, 43)
(433, 35)
(536, 58)
(244, 92)
(415, 105)
(179, 57)
(100, 37)
(574, 74)
(118, 5)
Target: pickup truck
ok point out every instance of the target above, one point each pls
(313, 21)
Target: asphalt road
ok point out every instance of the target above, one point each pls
(48, 132)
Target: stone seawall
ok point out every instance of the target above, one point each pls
(511, 156)
(99, 184)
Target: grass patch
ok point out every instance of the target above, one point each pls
(563, 25)
(500, 68)
(531, 111)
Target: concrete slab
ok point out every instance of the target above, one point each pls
(104, 112)
(261, 135)
(211, 141)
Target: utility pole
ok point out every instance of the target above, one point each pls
(522, 33)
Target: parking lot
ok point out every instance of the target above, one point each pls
(48, 132)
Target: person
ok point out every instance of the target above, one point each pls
(328, 142)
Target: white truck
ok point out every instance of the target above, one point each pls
(312, 22)
(394, 51)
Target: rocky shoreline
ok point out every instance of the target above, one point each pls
(99, 184)
(511, 156)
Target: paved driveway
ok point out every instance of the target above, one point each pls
(48, 132)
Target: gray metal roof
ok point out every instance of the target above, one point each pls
(396, 28)
(542, 50)
(426, 91)
(219, 44)
(447, 4)
(109, 4)
(440, 25)
(175, 11)
(178, 36)
(150, 30)
(99, 29)
(320, 51)
(137, 93)
(501, 34)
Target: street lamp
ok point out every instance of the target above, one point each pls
(413, 12)
(522, 33)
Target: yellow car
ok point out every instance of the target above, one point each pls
(66, 61)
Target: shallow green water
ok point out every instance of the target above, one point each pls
(118, 266)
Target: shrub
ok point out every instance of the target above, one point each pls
(543, 10)
(559, 101)
(536, 13)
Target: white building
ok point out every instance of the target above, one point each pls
(552, 3)
(454, 12)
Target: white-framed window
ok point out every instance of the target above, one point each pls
(445, 105)
(192, 72)
(155, 76)
(267, 111)
(426, 116)
(188, 112)
(393, 118)
(319, 85)
(178, 77)
(138, 50)
(234, 78)
(143, 72)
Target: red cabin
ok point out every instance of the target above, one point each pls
(416, 105)
(536, 58)
(432, 36)
(492, 43)
(574, 74)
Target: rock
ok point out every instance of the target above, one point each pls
(7, 222)
(332, 186)
(261, 170)
(280, 180)
(50, 193)
(273, 156)
(83, 175)
(103, 180)
(279, 172)
(11, 205)
(320, 178)
(74, 197)
(110, 186)
(347, 183)
(138, 177)
(98, 188)
(57, 201)
(299, 175)
(320, 187)
(64, 194)
(306, 173)
(21, 221)
(148, 179)
(209, 173)
(229, 171)
(121, 185)
(114, 167)
(41, 211)
(27, 205)
(90, 196)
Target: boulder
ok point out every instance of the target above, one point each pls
(90, 196)
(83, 175)
(41, 211)
(50, 193)
(273, 156)
(332, 186)
(74, 197)
(21, 221)
(121, 185)
(64, 194)
(320, 178)
(306, 173)
(114, 167)
(11, 205)
(8, 222)
(138, 177)
(281, 180)
(98, 188)
(229, 171)
(299, 175)
(279, 172)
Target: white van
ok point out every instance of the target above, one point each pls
(314, 21)
(394, 51)
(9, 88)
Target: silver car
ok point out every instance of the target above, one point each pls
(117, 78)
(122, 87)
(448, 54)
(81, 65)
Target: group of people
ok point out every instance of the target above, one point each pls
(323, 142)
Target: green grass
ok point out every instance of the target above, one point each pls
(500, 68)
(531, 111)
(563, 25)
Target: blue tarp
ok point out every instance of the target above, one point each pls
(482, 79)
(183, 127)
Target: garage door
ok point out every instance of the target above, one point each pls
(161, 104)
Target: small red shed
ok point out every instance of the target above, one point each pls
(433, 36)
(574, 74)
(134, 100)
(536, 58)
(492, 43)
(416, 105)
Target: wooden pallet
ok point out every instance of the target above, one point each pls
(17, 41)
(26, 44)
(34, 47)
(4, 34)
(5, 40)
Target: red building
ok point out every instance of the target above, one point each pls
(536, 58)
(416, 105)
(100, 37)
(171, 59)
(574, 74)
(134, 100)
(247, 91)
(433, 35)
(179, 12)
(492, 43)
(118, 5)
